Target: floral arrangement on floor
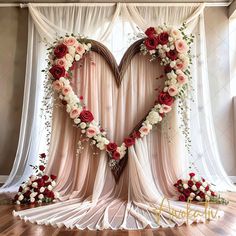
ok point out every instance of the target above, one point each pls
(168, 46)
(197, 189)
(38, 188)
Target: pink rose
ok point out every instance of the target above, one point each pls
(70, 41)
(80, 49)
(181, 46)
(182, 79)
(61, 62)
(57, 85)
(74, 113)
(66, 90)
(172, 90)
(166, 108)
(144, 130)
(91, 131)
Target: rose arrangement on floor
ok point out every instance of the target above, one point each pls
(166, 45)
(197, 189)
(38, 188)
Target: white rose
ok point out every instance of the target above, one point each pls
(53, 183)
(82, 125)
(40, 196)
(194, 188)
(185, 186)
(153, 117)
(198, 198)
(204, 184)
(195, 179)
(77, 121)
(18, 202)
(33, 177)
(56, 195)
(173, 64)
(201, 188)
(21, 197)
(32, 199)
(69, 58)
(208, 193)
(71, 50)
(192, 195)
(33, 194)
(35, 185)
(77, 57)
(50, 187)
(42, 189)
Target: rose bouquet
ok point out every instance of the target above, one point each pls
(38, 188)
(197, 189)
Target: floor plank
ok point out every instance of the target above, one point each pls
(226, 226)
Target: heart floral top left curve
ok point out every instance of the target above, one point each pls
(167, 45)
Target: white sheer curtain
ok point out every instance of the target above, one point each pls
(97, 22)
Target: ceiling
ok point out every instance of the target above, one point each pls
(91, 1)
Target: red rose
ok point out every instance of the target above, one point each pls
(190, 183)
(86, 116)
(41, 167)
(179, 181)
(167, 69)
(53, 177)
(151, 43)
(182, 198)
(43, 155)
(172, 54)
(40, 182)
(187, 192)
(203, 180)
(136, 134)
(57, 72)
(20, 189)
(27, 194)
(129, 141)
(213, 193)
(60, 51)
(111, 147)
(45, 177)
(116, 155)
(176, 185)
(198, 184)
(150, 31)
(207, 188)
(202, 195)
(163, 38)
(165, 98)
(191, 175)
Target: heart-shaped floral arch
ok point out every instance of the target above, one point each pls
(167, 45)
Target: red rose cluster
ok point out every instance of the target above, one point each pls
(194, 189)
(38, 188)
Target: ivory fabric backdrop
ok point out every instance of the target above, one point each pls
(141, 184)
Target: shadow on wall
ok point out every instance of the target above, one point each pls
(13, 50)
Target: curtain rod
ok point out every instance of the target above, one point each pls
(207, 4)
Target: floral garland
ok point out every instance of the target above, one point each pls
(165, 44)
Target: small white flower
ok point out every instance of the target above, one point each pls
(201, 188)
(33, 194)
(50, 187)
(42, 189)
(34, 184)
(33, 177)
(77, 57)
(82, 125)
(77, 121)
(32, 199)
(21, 197)
(40, 196)
(185, 186)
(198, 198)
(194, 188)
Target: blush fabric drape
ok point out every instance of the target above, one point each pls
(94, 200)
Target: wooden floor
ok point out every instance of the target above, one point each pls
(10, 225)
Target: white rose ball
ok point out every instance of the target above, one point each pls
(77, 121)
(82, 125)
(198, 198)
(192, 195)
(201, 188)
(35, 185)
(194, 188)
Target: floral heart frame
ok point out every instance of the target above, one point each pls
(166, 45)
